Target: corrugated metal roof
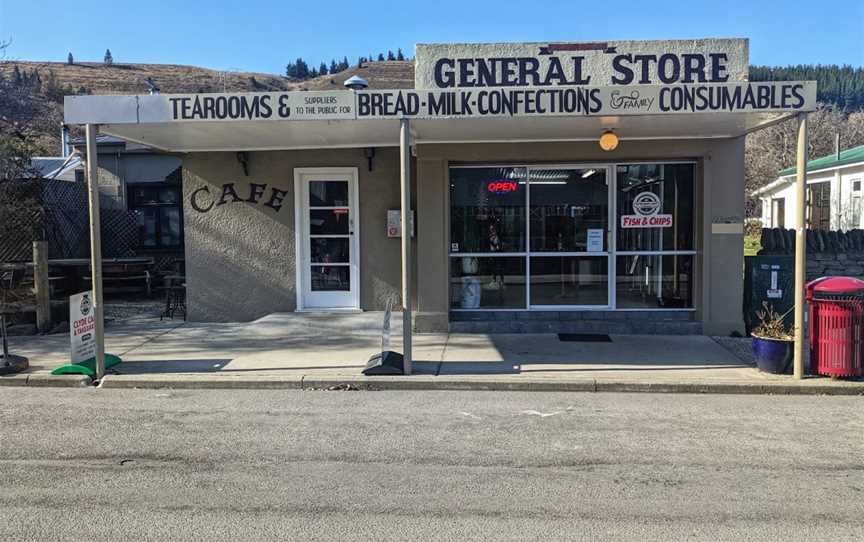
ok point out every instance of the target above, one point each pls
(849, 156)
(48, 167)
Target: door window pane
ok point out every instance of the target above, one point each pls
(487, 209)
(328, 193)
(661, 189)
(569, 280)
(330, 278)
(329, 249)
(487, 283)
(652, 282)
(565, 204)
(328, 222)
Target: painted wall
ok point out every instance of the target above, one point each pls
(720, 195)
(843, 198)
(240, 256)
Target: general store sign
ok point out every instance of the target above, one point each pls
(82, 327)
(599, 63)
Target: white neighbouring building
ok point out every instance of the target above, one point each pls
(834, 192)
(556, 187)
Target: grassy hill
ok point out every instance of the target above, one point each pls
(38, 101)
(98, 78)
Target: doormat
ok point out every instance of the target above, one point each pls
(584, 338)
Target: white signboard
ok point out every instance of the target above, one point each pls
(82, 326)
(394, 223)
(646, 206)
(595, 240)
(587, 101)
(553, 101)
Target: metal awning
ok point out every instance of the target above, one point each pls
(261, 136)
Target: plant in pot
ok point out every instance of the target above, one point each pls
(773, 341)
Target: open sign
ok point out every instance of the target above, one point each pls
(502, 187)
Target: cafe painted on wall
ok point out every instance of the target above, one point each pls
(572, 180)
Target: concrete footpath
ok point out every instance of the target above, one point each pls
(328, 351)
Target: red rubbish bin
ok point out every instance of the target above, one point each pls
(836, 326)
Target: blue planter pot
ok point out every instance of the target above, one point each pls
(773, 356)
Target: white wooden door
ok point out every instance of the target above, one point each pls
(327, 223)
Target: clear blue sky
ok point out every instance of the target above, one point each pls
(264, 35)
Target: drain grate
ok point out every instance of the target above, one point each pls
(584, 338)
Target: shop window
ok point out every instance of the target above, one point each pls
(778, 213)
(819, 206)
(569, 280)
(670, 189)
(491, 282)
(654, 281)
(487, 210)
(159, 215)
(539, 237)
(567, 204)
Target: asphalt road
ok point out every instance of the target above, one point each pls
(240, 465)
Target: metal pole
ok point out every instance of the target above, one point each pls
(405, 184)
(95, 246)
(800, 244)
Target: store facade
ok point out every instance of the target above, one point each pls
(562, 186)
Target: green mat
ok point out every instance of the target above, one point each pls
(86, 367)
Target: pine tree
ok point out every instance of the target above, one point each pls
(344, 66)
(108, 58)
(17, 79)
(333, 66)
(399, 55)
(70, 60)
(390, 55)
(380, 57)
(35, 80)
(313, 73)
(322, 69)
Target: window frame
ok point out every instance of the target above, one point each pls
(610, 243)
(133, 206)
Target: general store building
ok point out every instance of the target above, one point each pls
(522, 221)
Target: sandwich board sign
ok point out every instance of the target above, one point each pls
(82, 326)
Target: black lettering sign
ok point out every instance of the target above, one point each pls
(201, 199)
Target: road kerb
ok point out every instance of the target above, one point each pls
(202, 381)
(46, 380)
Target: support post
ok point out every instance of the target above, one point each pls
(95, 247)
(800, 244)
(405, 185)
(40, 285)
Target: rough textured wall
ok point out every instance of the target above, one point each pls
(829, 253)
(240, 255)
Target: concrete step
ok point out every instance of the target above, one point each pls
(621, 327)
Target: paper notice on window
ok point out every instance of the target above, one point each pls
(595, 240)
